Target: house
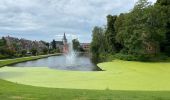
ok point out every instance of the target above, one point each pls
(85, 46)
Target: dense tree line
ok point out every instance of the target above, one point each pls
(141, 34)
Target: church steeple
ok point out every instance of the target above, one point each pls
(64, 39)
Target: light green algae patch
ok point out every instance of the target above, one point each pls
(118, 75)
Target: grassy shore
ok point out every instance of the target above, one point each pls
(117, 75)
(121, 80)
(23, 59)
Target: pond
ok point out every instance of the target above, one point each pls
(81, 63)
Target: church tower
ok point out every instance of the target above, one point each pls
(64, 39)
(65, 45)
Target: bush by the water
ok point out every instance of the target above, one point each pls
(128, 57)
(167, 50)
(3, 56)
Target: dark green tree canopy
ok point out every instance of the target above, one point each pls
(76, 45)
(163, 2)
(144, 31)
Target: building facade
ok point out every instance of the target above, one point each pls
(19, 45)
(85, 46)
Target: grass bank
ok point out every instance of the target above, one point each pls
(23, 59)
(118, 75)
(13, 91)
(121, 80)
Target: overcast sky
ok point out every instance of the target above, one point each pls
(49, 19)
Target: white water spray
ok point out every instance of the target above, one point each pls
(71, 54)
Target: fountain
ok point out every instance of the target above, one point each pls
(70, 54)
(70, 60)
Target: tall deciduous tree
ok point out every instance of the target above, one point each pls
(139, 30)
(76, 44)
(142, 31)
(164, 13)
(110, 34)
(97, 44)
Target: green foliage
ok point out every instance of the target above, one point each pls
(2, 56)
(164, 14)
(163, 2)
(167, 50)
(53, 43)
(144, 31)
(144, 58)
(34, 51)
(110, 34)
(24, 52)
(7, 51)
(106, 57)
(45, 51)
(52, 51)
(125, 57)
(98, 43)
(2, 42)
(137, 29)
(76, 45)
(141, 4)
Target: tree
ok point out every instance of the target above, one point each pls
(141, 5)
(164, 13)
(2, 42)
(24, 52)
(110, 34)
(45, 50)
(163, 2)
(76, 45)
(34, 51)
(53, 43)
(97, 46)
(138, 31)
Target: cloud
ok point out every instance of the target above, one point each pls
(54, 17)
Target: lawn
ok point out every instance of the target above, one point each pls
(120, 80)
(118, 75)
(13, 91)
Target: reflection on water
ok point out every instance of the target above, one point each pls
(83, 63)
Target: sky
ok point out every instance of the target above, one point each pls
(50, 19)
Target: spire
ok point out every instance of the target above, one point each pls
(64, 38)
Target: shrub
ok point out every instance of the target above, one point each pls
(23, 52)
(128, 57)
(167, 50)
(3, 56)
(125, 57)
(34, 51)
(45, 50)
